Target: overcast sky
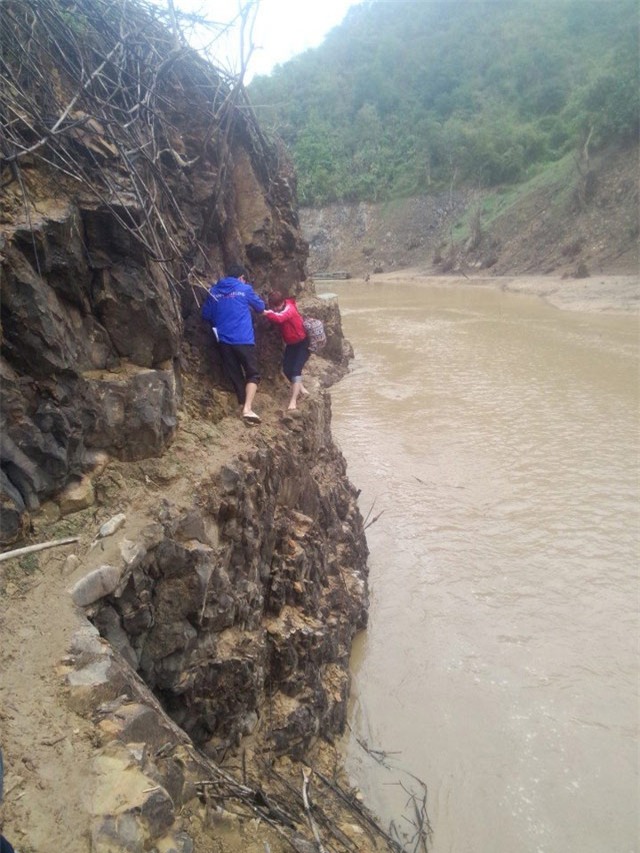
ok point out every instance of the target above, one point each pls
(283, 28)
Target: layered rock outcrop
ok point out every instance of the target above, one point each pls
(248, 597)
(227, 604)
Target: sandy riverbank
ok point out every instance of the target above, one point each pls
(599, 294)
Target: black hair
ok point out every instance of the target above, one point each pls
(236, 270)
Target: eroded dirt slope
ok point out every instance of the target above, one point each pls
(576, 219)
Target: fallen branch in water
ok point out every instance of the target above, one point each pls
(379, 755)
(30, 549)
(366, 518)
(366, 523)
(420, 821)
(373, 520)
(437, 485)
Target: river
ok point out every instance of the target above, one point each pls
(495, 440)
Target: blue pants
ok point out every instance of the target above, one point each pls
(295, 358)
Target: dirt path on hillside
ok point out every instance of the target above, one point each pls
(48, 749)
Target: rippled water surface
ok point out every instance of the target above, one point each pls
(499, 439)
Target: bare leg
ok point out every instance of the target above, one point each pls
(250, 393)
(296, 389)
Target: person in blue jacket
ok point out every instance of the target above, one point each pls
(228, 309)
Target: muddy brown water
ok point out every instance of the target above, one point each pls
(497, 440)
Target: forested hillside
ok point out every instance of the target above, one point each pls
(408, 97)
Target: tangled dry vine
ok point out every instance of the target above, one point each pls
(97, 93)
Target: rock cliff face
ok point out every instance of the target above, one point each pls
(228, 592)
(245, 596)
(109, 226)
(225, 591)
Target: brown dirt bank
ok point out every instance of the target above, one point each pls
(599, 294)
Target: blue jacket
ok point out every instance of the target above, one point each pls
(227, 309)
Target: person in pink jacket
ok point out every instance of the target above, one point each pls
(285, 314)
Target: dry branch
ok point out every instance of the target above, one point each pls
(122, 88)
(419, 818)
(306, 776)
(31, 549)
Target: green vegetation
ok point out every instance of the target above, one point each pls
(415, 95)
(501, 200)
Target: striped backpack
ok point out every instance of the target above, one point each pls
(315, 333)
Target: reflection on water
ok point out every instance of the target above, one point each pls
(499, 439)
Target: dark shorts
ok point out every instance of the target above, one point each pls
(295, 358)
(240, 362)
